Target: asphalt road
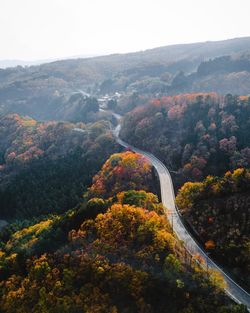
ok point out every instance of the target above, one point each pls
(233, 290)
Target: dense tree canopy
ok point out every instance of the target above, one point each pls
(114, 252)
(44, 167)
(196, 134)
(218, 210)
(122, 171)
(125, 260)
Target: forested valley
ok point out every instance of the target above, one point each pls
(82, 224)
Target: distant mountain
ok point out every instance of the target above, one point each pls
(166, 70)
(13, 63)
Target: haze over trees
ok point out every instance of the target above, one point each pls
(44, 92)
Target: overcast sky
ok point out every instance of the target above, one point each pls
(42, 29)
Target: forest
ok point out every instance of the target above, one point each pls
(217, 210)
(204, 141)
(86, 230)
(195, 135)
(45, 166)
(111, 254)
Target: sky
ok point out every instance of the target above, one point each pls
(44, 29)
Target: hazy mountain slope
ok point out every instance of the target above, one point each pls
(14, 62)
(226, 74)
(104, 66)
(34, 90)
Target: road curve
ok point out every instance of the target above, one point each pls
(233, 290)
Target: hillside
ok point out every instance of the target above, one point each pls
(123, 171)
(44, 167)
(226, 74)
(107, 255)
(217, 210)
(195, 135)
(39, 91)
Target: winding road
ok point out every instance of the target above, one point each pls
(233, 290)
